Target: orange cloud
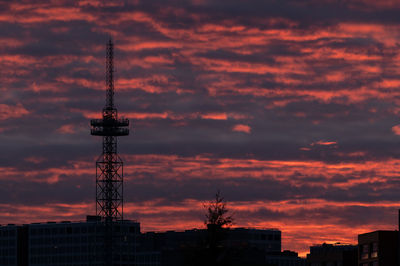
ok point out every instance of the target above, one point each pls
(168, 115)
(324, 143)
(396, 129)
(242, 128)
(35, 160)
(389, 83)
(67, 129)
(215, 116)
(30, 13)
(21, 214)
(8, 111)
(99, 85)
(151, 84)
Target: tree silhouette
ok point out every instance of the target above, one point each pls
(217, 222)
(216, 215)
(215, 249)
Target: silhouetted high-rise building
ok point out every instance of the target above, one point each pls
(332, 255)
(378, 248)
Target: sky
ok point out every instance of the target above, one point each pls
(289, 108)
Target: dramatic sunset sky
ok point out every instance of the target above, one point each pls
(290, 108)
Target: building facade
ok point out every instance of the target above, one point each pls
(67, 243)
(191, 247)
(285, 258)
(378, 248)
(82, 243)
(332, 255)
(13, 245)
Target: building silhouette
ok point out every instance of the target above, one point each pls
(66, 243)
(285, 258)
(191, 247)
(82, 243)
(13, 245)
(239, 246)
(378, 248)
(332, 255)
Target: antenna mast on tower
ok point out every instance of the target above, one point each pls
(109, 166)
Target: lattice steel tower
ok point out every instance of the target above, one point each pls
(109, 166)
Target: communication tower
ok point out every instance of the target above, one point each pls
(109, 166)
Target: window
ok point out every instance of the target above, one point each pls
(76, 230)
(374, 253)
(365, 252)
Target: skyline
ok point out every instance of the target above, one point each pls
(290, 109)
